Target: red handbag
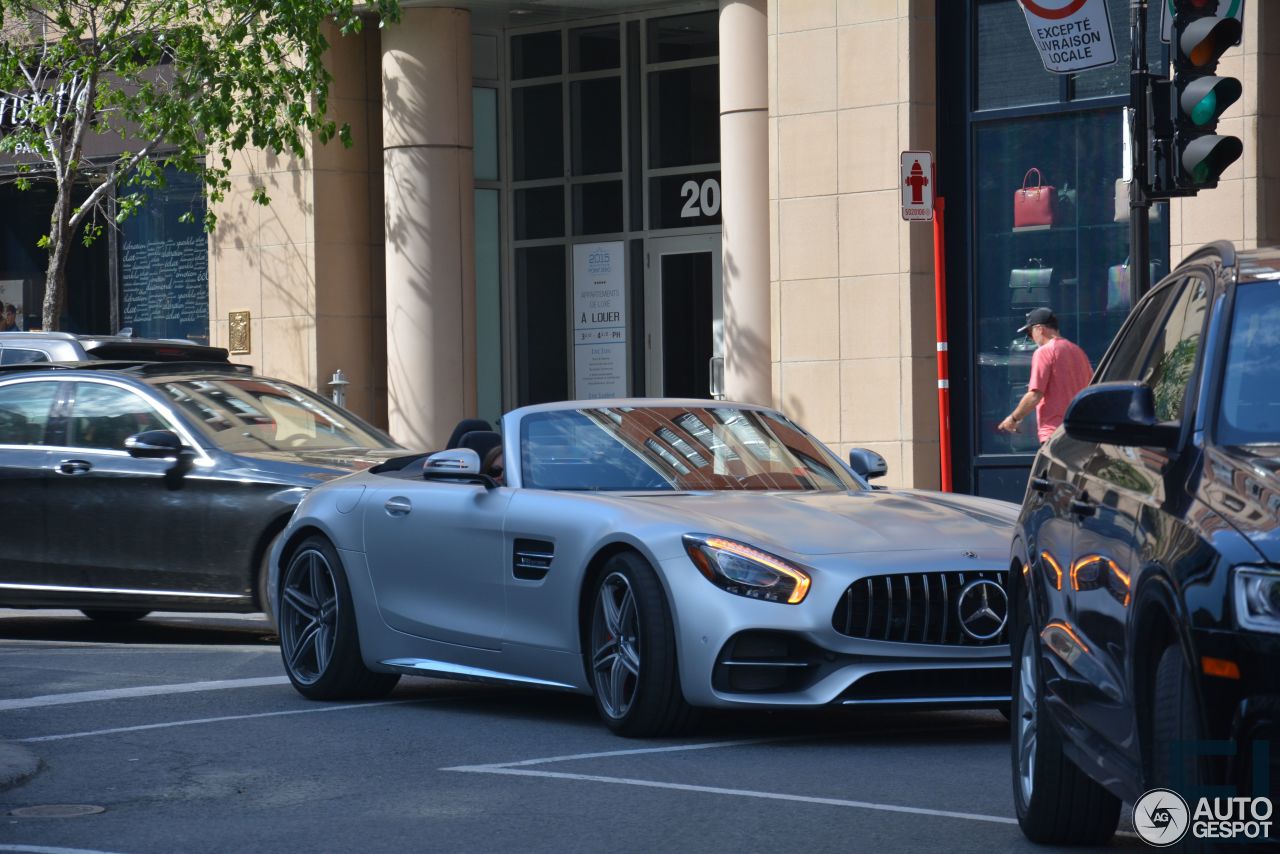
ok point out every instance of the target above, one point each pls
(1033, 206)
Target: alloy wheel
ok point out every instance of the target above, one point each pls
(308, 615)
(615, 646)
(1026, 711)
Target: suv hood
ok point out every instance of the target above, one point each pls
(1243, 485)
(815, 523)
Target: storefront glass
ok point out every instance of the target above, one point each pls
(1018, 125)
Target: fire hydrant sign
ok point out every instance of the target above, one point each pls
(916, 184)
(1071, 35)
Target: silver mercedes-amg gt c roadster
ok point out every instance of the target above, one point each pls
(662, 555)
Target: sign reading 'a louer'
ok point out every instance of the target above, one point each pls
(1071, 35)
(916, 185)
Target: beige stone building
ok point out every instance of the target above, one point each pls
(549, 200)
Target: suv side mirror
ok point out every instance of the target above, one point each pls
(154, 445)
(869, 464)
(1119, 413)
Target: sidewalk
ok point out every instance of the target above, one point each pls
(17, 764)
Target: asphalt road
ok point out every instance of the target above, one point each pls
(183, 731)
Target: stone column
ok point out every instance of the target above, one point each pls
(744, 179)
(429, 187)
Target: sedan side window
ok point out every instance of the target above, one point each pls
(24, 412)
(105, 415)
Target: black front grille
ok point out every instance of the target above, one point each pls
(917, 607)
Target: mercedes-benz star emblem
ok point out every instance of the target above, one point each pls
(983, 609)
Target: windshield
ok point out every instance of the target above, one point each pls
(245, 414)
(1249, 413)
(674, 448)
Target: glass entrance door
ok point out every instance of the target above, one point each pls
(684, 310)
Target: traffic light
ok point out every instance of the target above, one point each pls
(1198, 97)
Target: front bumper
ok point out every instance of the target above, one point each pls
(739, 652)
(1244, 711)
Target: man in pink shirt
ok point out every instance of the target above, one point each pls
(1059, 369)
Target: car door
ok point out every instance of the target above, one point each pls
(126, 526)
(1122, 491)
(434, 550)
(26, 406)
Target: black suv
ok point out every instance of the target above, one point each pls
(1145, 582)
(126, 488)
(22, 347)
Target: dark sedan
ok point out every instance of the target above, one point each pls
(1146, 571)
(127, 488)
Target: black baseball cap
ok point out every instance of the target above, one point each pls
(1039, 315)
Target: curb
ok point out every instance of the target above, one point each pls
(17, 765)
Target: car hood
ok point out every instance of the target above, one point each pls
(339, 461)
(816, 523)
(1243, 485)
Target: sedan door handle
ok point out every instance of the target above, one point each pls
(398, 506)
(1041, 484)
(74, 467)
(1083, 508)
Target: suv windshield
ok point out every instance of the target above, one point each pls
(1249, 413)
(252, 413)
(674, 448)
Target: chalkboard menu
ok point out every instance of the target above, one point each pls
(164, 264)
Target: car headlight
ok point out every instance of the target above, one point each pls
(746, 571)
(1257, 593)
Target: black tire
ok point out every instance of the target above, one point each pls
(1055, 801)
(1175, 724)
(633, 670)
(112, 615)
(319, 642)
(264, 582)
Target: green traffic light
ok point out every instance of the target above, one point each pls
(1200, 173)
(1205, 110)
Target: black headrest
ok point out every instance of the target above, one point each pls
(480, 441)
(464, 427)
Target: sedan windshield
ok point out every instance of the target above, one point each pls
(674, 448)
(253, 414)
(1250, 410)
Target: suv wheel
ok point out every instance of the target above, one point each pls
(1055, 801)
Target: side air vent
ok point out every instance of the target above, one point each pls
(532, 559)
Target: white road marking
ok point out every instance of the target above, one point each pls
(140, 691)
(195, 721)
(521, 769)
(44, 849)
(741, 793)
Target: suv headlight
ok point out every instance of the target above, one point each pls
(1257, 594)
(747, 571)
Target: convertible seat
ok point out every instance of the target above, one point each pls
(465, 426)
(480, 441)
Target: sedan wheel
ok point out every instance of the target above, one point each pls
(630, 652)
(318, 638)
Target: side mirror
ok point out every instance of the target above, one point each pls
(869, 464)
(455, 464)
(154, 445)
(1120, 413)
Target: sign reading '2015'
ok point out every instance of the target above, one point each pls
(700, 199)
